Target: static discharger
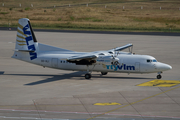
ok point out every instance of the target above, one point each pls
(160, 83)
(110, 103)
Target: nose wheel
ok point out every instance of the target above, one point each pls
(159, 76)
(87, 75)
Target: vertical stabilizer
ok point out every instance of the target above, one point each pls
(25, 35)
(25, 39)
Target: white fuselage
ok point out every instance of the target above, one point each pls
(128, 63)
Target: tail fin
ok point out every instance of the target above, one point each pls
(25, 35)
(26, 40)
(27, 46)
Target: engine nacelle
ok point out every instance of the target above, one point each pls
(107, 60)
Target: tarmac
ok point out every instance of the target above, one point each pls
(29, 91)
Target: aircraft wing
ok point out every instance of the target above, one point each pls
(122, 47)
(93, 55)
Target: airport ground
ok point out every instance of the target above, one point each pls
(28, 91)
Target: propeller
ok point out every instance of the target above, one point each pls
(114, 58)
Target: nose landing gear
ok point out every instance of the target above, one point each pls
(159, 75)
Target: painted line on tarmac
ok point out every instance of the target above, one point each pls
(40, 105)
(105, 104)
(160, 83)
(132, 103)
(66, 112)
(5, 117)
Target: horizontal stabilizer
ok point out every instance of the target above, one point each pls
(43, 47)
(24, 50)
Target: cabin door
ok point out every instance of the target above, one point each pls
(54, 62)
(137, 66)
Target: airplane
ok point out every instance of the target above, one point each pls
(114, 60)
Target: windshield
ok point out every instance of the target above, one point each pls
(151, 60)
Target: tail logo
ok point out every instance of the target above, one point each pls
(28, 40)
(21, 36)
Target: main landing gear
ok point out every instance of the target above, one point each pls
(159, 75)
(87, 75)
(104, 73)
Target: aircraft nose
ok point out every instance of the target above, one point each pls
(169, 67)
(163, 67)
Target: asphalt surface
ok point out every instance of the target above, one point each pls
(28, 91)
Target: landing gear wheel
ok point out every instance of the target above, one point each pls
(87, 76)
(104, 73)
(159, 76)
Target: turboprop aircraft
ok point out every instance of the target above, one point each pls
(114, 60)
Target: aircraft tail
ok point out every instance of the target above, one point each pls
(27, 46)
(25, 39)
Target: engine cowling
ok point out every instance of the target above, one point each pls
(107, 60)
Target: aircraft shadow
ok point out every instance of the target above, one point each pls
(56, 78)
(68, 76)
(106, 76)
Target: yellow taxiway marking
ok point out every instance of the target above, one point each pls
(133, 103)
(160, 83)
(110, 103)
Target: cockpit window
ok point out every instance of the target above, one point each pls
(154, 60)
(149, 60)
